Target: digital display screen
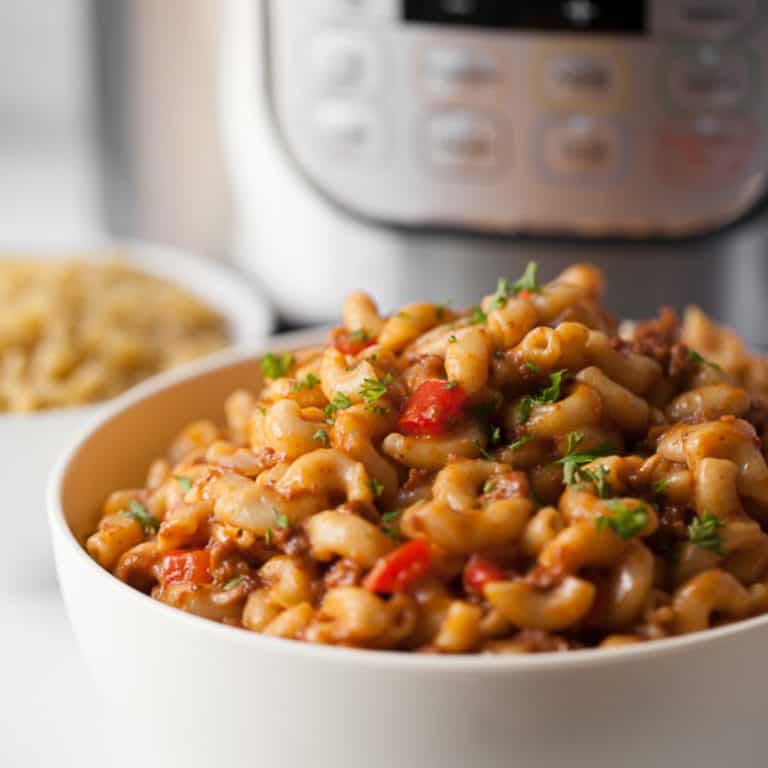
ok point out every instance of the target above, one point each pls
(588, 16)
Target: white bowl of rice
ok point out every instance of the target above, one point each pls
(79, 326)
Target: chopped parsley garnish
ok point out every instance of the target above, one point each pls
(529, 280)
(232, 583)
(694, 358)
(321, 436)
(268, 537)
(309, 383)
(139, 513)
(452, 339)
(440, 309)
(489, 486)
(339, 402)
(520, 442)
(452, 384)
(281, 519)
(483, 452)
(389, 523)
(704, 532)
(361, 335)
(549, 394)
(372, 390)
(276, 366)
(573, 461)
(184, 481)
(478, 317)
(376, 487)
(535, 367)
(495, 435)
(626, 522)
(660, 486)
(598, 479)
(505, 289)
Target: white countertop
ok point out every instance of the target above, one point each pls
(50, 712)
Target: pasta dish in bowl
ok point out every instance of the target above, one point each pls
(524, 476)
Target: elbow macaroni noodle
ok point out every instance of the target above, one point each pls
(519, 478)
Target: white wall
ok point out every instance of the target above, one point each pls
(44, 88)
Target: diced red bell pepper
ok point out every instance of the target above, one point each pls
(351, 342)
(432, 409)
(191, 566)
(479, 572)
(399, 570)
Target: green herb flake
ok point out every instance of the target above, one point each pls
(277, 366)
(535, 367)
(362, 335)
(372, 390)
(184, 481)
(478, 317)
(452, 384)
(452, 339)
(598, 479)
(483, 452)
(310, 382)
(704, 532)
(495, 436)
(268, 537)
(549, 394)
(573, 461)
(489, 486)
(321, 436)
(529, 280)
(390, 523)
(626, 522)
(138, 512)
(694, 358)
(520, 442)
(441, 308)
(232, 583)
(281, 519)
(503, 291)
(660, 486)
(339, 402)
(376, 487)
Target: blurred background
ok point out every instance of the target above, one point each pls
(107, 122)
(404, 147)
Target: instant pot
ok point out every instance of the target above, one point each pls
(421, 148)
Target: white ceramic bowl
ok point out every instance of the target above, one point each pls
(30, 443)
(184, 691)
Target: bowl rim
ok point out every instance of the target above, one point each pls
(379, 659)
(150, 258)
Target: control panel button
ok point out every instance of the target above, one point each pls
(348, 130)
(463, 141)
(712, 150)
(344, 63)
(349, 10)
(708, 19)
(449, 69)
(581, 77)
(582, 147)
(710, 79)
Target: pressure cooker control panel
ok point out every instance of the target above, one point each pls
(553, 115)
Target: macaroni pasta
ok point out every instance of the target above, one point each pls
(517, 478)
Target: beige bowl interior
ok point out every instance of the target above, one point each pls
(118, 453)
